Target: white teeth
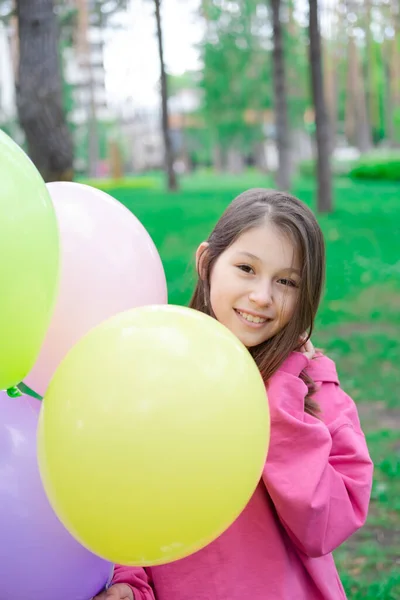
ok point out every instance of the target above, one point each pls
(251, 318)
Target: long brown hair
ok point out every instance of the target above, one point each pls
(293, 218)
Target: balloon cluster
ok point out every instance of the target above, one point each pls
(154, 425)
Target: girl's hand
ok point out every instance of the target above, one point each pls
(119, 591)
(307, 348)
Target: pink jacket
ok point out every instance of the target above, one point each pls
(314, 494)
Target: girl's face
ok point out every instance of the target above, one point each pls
(254, 284)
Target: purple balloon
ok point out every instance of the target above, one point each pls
(39, 559)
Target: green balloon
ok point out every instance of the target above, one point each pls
(29, 262)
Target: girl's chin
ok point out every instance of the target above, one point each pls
(251, 341)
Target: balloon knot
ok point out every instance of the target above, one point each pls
(14, 392)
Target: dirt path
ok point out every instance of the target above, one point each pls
(376, 415)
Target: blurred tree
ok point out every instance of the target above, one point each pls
(7, 9)
(79, 19)
(195, 144)
(358, 127)
(391, 62)
(100, 14)
(322, 132)
(236, 78)
(296, 64)
(169, 158)
(39, 90)
(280, 100)
(102, 11)
(371, 66)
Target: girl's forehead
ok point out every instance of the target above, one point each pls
(264, 240)
(267, 244)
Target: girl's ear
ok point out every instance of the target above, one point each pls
(201, 253)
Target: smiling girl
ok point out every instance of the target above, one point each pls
(261, 274)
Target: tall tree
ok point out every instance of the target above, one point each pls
(169, 158)
(39, 90)
(372, 92)
(236, 78)
(78, 19)
(324, 175)
(85, 58)
(330, 89)
(392, 52)
(357, 100)
(280, 99)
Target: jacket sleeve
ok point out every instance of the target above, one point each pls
(318, 471)
(137, 578)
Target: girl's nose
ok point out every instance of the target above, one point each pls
(261, 295)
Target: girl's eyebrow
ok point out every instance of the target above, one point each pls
(249, 254)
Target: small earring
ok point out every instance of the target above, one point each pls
(205, 298)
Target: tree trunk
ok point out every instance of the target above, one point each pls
(234, 159)
(169, 159)
(331, 92)
(260, 157)
(280, 100)
(357, 124)
(394, 70)
(218, 158)
(39, 91)
(389, 119)
(351, 82)
(395, 64)
(115, 158)
(371, 87)
(324, 176)
(363, 128)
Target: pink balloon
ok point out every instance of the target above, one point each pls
(109, 264)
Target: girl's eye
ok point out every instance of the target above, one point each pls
(246, 268)
(288, 282)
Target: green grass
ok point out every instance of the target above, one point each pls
(378, 165)
(369, 562)
(129, 183)
(358, 325)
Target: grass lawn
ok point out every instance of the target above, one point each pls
(358, 326)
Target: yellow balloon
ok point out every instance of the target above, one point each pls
(153, 435)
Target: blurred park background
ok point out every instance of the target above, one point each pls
(176, 106)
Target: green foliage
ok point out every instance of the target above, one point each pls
(8, 127)
(101, 13)
(297, 73)
(188, 80)
(106, 131)
(307, 168)
(236, 73)
(198, 143)
(378, 90)
(382, 166)
(372, 31)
